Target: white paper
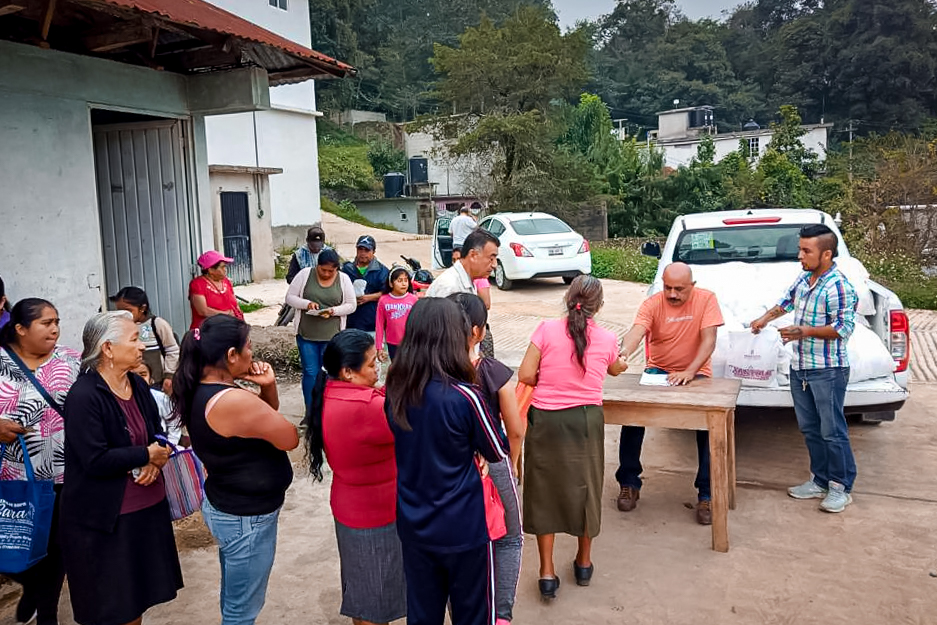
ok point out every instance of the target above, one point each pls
(654, 379)
(314, 312)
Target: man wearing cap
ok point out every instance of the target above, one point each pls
(307, 255)
(369, 277)
(459, 228)
(212, 293)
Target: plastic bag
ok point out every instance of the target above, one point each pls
(753, 358)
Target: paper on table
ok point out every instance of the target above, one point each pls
(654, 379)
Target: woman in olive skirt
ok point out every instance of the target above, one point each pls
(564, 460)
(116, 529)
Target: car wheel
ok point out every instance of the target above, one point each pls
(501, 280)
(568, 280)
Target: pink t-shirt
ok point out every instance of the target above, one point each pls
(561, 382)
(481, 283)
(392, 313)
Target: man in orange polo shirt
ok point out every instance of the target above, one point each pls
(679, 324)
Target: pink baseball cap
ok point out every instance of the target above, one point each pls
(211, 258)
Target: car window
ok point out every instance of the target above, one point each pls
(756, 244)
(493, 226)
(442, 226)
(539, 225)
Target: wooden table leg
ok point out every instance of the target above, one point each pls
(719, 478)
(730, 434)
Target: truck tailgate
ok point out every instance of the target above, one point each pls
(867, 393)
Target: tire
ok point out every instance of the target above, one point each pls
(501, 280)
(568, 280)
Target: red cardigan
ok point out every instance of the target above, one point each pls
(359, 447)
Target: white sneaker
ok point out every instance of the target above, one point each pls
(807, 490)
(836, 500)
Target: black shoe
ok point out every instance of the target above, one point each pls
(548, 587)
(583, 573)
(25, 610)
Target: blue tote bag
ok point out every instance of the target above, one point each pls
(25, 517)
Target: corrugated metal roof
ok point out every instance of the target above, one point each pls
(202, 15)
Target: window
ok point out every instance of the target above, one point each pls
(753, 146)
(494, 226)
(278, 4)
(539, 226)
(753, 244)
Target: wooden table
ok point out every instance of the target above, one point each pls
(707, 404)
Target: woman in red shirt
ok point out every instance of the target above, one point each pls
(212, 293)
(346, 420)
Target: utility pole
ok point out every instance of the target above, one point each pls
(851, 129)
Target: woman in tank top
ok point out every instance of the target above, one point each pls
(242, 440)
(323, 298)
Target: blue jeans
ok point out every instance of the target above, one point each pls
(310, 357)
(819, 395)
(629, 455)
(246, 547)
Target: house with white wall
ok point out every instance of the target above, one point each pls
(105, 170)
(680, 132)
(265, 163)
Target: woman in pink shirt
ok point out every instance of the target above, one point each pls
(564, 461)
(346, 421)
(392, 311)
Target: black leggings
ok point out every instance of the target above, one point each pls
(464, 579)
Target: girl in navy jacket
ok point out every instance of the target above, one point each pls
(440, 422)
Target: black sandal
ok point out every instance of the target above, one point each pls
(548, 587)
(583, 573)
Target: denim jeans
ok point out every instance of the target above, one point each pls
(310, 357)
(629, 455)
(246, 547)
(510, 547)
(819, 395)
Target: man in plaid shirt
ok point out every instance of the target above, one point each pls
(824, 306)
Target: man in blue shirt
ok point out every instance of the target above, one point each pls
(824, 307)
(368, 273)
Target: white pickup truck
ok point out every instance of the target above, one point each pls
(750, 257)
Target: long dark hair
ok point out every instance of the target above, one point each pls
(394, 273)
(135, 296)
(23, 313)
(434, 345)
(472, 307)
(204, 347)
(3, 292)
(346, 349)
(583, 300)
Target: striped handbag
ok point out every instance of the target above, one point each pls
(184, 478)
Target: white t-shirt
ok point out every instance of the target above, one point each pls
(452, 280)
(461, 227)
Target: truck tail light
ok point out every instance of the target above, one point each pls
(520, 250)
(584, 247)
(900, 338)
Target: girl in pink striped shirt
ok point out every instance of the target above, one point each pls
(392, 311)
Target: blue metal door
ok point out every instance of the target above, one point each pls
(236, 235)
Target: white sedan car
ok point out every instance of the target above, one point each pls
(533, 245)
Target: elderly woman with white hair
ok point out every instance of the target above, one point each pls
(120, 553)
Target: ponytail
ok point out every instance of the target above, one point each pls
(313, 423)
(203, 347)
(583, 300)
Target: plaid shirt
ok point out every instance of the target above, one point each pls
(830, 302)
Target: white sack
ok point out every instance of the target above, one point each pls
(868, 356)
(753, 358)
(858, 277)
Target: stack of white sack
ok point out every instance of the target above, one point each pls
(745, 291)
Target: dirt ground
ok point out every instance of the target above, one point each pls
(788, 564)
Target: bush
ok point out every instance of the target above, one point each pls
(902, 273)
(345, 167)
(349, 212)
(251, 306)
(622, 263)
(385, 158)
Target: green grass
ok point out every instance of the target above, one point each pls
(918, 293)
(251, 306)
(622, 263)
(349, 212)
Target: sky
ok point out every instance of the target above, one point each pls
(571, 11)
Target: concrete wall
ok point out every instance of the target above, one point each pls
(673, 125)
(284, 136)
(403, 214)
(680, 154)
(258, 199)
(462, 176)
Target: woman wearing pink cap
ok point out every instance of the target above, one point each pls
(212, 293)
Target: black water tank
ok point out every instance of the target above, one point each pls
(419, 171)
(393, 184)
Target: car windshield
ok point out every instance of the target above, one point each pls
(752, 244)
(539, 225)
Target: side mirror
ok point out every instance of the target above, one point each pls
(651, 248)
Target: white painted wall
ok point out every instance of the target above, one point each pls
(284, 136)
(680, 154)
(463, 176)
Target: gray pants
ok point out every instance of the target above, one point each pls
(509, 548)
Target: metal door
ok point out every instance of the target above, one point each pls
(147, 228)
(236, 235)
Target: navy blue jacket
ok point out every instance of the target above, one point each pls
(376, 276)
(440, 504)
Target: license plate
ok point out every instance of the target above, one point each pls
(555, 251)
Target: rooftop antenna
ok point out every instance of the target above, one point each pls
(676, 103)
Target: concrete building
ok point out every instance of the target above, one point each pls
(282, 137)
(680, 131)
(103, 142)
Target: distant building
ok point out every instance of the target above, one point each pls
(680, 132)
